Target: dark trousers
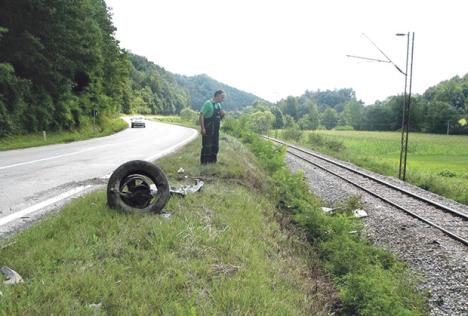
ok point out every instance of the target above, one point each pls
(210, 142)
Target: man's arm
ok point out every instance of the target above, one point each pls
(202, 124)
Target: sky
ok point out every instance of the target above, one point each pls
(278, 48)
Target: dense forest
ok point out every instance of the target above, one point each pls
(155, 90)
(59, 61)
(439, 109)
(60, 64)
(202, 87)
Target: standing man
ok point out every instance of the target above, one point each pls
(210, 117)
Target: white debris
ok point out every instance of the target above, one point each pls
(328, 210)
(96, 307)
(360, 213)
(181, 170)
(166, 215)
(12, 277)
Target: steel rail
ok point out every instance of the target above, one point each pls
(452, 235)
(433, 203)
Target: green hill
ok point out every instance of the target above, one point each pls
(154, 89)
(202, 87)
(159, 91)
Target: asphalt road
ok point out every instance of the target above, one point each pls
(34, 178)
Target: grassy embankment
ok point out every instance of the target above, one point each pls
(166, 119)
(370, 280)
(224, 250)
(438, 163)
(221, 252)
(110, 126)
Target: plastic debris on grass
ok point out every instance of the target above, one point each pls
(12, 277)
(358, 213)
(184, 190)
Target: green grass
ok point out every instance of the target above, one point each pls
(438, 163)
(165, 118)
(221, 252)
(370, 280)
(87, 132)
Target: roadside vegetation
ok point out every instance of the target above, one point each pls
(370, 280)
(187, 117)
(219, 251)
(437, 163)
(107, 127)
(165, 118)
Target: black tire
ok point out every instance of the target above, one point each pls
(132, 125)
(137, 198)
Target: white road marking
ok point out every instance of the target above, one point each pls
(39, 206)
(43, 204)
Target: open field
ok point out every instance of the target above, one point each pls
(438, 163)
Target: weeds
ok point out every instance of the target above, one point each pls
(319, 141)
(292, 134)
(371, 281)
(221, 252)
(447, 173)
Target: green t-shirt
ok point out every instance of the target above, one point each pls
(209, 107)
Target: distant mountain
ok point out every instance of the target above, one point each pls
(202, 87)
(158, 91)
(155, 89)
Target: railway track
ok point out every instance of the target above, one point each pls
(450, 221)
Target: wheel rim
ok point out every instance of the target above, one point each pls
(137, 191)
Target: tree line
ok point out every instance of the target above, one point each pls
(59, 61)
(60, 64)
(440, 109)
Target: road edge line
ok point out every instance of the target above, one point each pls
(37, 207)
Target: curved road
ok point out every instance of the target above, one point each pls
(35, 178)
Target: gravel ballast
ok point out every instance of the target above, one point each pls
(442, 261)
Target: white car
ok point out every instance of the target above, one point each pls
(137, 121)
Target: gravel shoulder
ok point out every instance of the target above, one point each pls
(442, 262)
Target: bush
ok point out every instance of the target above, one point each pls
(260, 122)
(232, 126)
(335, 145)
(344, 128)
(447, 173)
(188, 115)
(318, 140)
(292, 134)
(315, 139)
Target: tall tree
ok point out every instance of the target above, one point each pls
(329, 118)
(290, 107)
(279, 119)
